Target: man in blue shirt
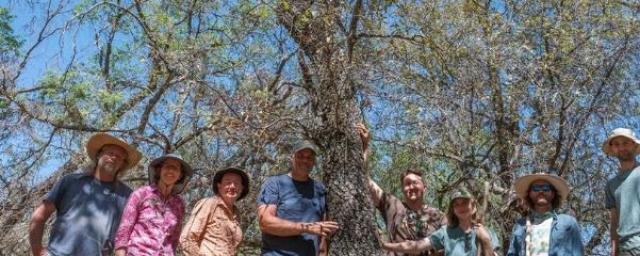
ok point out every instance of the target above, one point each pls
(622, 194)
(88, 205)
(543, 231)
(292, 210)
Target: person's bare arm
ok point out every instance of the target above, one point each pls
(485, 241)
(39, 217)
(613, 230)
(273, 225)
(324, 241)
(364, 137)
(375, 190)
(411, 246)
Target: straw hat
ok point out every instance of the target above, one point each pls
(523, 183)
(245, 180)
(99, 140)
(186, 170)
(620, 132)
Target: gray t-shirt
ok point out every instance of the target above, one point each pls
(87, 215)
(623, 193)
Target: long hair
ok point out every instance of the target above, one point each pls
(453, 220)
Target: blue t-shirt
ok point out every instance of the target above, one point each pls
(295, 201)
(87, 215)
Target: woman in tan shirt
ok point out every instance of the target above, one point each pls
(214, 225)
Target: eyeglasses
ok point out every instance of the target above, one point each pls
(541, 188)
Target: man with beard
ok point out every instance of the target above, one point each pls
(544, 231)
(622, 193)
(88, 204)
(292, 209)
(411, 219)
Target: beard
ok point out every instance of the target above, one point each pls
(542, 202)
(627, 156)
(110, 168)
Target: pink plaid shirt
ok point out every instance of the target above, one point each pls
(149, 224)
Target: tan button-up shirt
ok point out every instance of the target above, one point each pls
(213, 229)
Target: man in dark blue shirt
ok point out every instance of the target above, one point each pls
(292, 210)
(88, 205)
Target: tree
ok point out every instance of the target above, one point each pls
(474, 93)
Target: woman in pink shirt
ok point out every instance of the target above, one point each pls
(214, 226)
(150, 223)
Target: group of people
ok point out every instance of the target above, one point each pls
(96, 214)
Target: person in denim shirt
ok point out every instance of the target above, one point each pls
(543, 231)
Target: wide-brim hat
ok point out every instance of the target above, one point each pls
(620, 132)
(523, 183)
(187, 172)
(245, 180)
(99, 140)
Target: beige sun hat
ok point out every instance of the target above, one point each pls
(523, 183)
(99, 140)
(620, 132)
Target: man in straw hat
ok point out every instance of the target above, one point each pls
(292, 209)
(624, 229)
(543, 231)
(88, 204)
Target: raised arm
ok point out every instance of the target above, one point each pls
(40, 215)
(364, 137)
(375, 190)
(411, 247)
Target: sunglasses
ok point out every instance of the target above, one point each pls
(541, 188)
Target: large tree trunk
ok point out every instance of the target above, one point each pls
(325, 64)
